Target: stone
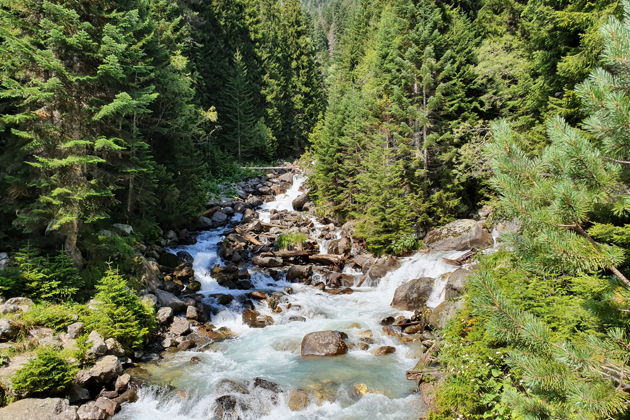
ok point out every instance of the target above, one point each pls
(122, 383)
(151, 275)
(258, 295)
(77, 393)
(298, 400)
(129, 396)
(184, 272)
(185, 257)
(180, 326)
(193, 286)
(382, 266)
(299, 272)
(267, 262)
(168, 299)
(168, 259)
(444, 312)
(75, 330)
(109, 406)
(361, 389)
(204, 222)
(39, 408)
(123, 228)
(299, 202)
(21, 302)
(383, 350)
(164, 315)
(392, 331)
(456, 283)
(97, 344)
(191, 312)
(413, 294)
(104, 371)
(227, 407)
(268, 385)
(459, 235)
(255, 320)
(90, 411)
(324, 343)
(219, 218)
(8, 309)
(228, 386)
(297, 318)
(340, 246)
(114, 347)
(8, 329)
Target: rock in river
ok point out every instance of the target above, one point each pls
(413, 294)
(324, 343)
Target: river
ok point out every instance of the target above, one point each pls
(273, 353)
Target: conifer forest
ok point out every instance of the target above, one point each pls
(314, 209)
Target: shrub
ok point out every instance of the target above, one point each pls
(48, 374)
(290, 241)
(52, 278)
(120, 313)
(57, 317)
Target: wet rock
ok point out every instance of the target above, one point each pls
(361, 389)
(459, 235)
(75, 330)
(185, 257)
(228, 407)
(268, 385)
(413, 294)
(298, 400)
(388, 320)
(382, 266)
(297, 319)
(258, 295)
(195, 360)
(267, 262)
(36, 408)
(299, 202)
(324, 343)
(320, 286)
(335, 279)
(184, 272)
(204, 222)
(299, 272)
(224, 299)
(392, 331)
(255, 320)
(228, 386)
(129, 396)
(97, 344)
(104, 371)
(180, 326)
(108, 406)
(383, 350)
(220, 218)
(168, 299)
(164, 315)
(193, 286)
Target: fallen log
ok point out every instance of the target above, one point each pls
(288, 254)
(249, 238)
(460, 260)
(327, 259)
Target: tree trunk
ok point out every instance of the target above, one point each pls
(72, 235)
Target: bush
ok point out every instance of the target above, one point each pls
(120, 313)
(290, 241)
(47, 374)
(52, 278)
(57, 317)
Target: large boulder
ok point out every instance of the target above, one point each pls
(168, 259)
(299, 202)
(340, 246)
(36, 408)
(168, 299)
(444, 312)
(230, 277)
(97, 346)
(151, 276)
(459, 235)
(104, 371)
(299, 272)
(413, 294)
(382, 266)
(220, 218)
(324, 343)
(180, 326)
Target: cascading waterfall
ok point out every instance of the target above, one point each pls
(273, 353)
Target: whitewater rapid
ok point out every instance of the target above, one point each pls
(186, 391)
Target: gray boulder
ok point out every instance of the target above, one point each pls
(75, 330)
(299, 272)
(267, 262)
(164, 315)
(168, 299)
(219, 218)
(444, 312)
(97, 345)
(459, 235)
(104, 371)
(299, 202)
(324, 343)
(36, 408)
(180, 326)
(8, 329)
(413, 294)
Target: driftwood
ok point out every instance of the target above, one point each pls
(327, 259)
(249, 238)
(460, 260)
(288, 254)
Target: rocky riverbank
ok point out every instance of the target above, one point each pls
(257, 261)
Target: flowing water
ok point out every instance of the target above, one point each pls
(273, 353)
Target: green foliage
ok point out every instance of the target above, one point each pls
(120, 313)
(56, 316)
(290, 241)
(49, 278)
(46, 375)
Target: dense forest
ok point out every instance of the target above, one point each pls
(120, 120)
